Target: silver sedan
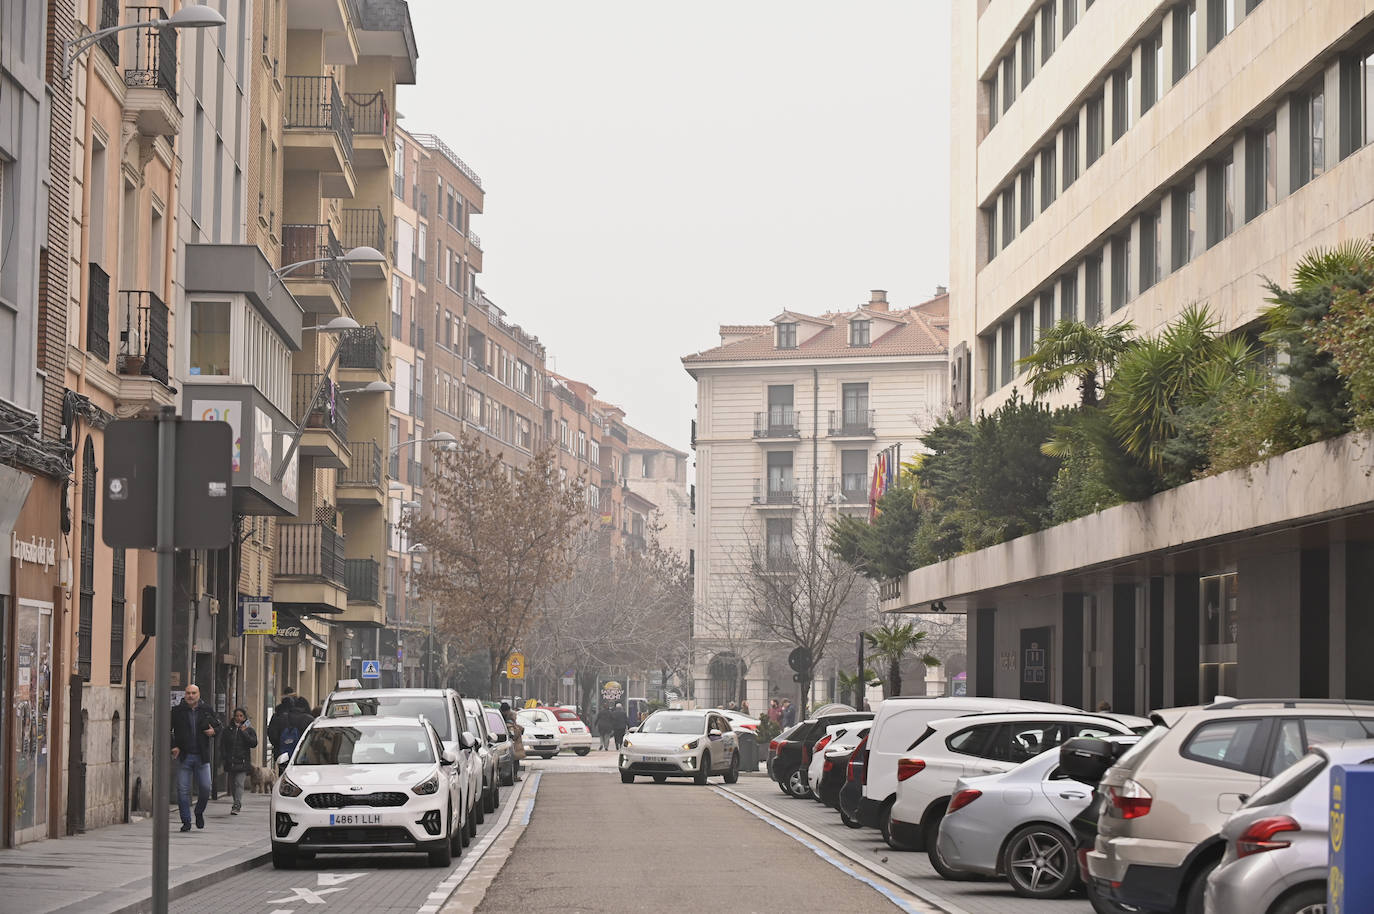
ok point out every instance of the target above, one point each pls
(1016, 824)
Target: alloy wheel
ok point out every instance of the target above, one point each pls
(1040, 864)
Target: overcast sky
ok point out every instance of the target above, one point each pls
(654, 169)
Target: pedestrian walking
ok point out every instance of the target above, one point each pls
(620, 722)
(194, 726)
(775, 712)
(789, 713)
(1104, 705)
(744, 707)
(287, 726)
(605, 727)
(240, 739)
(517, 742)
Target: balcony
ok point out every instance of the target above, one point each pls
(324, 287)
(777, 422)
(852, 491)
(852, 423)
(365, 227)
(362, 578)
(362, 484)
(774, 493)
(362, 355)
(371, 117)
(142, 361)
(109, 18)
(151, 78)
(98, 315)
(311, 568)
(320, 408)
(319, 134)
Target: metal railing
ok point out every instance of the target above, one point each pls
(777, 422)
(109, 18)
(363, 227)
(415, 474)
(430, 141)
(310, 551)
(474, 239)
(853, 488)
(330, 412)
(774, 492)
(362, 578)
(851, 421)
(155, 53)
(365, 465)
(305, 241)
(363, 348)
(368, 113)
(98, 314)
(313, 103)
(143, 341)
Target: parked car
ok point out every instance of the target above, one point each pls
(365, 784)
(974, 743)
(1159, 836)
(501, 746)
(1018, 824)
(572, 732)
(775, 744)
(695, 744)
(852, 792)
(1086, 760)
(794, 755)
(490, 783)
(829, 761)
(441, 708)
(541, 735)
(738, 719)
(1277, 843)
(897, 726)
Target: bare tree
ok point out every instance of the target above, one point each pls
(725, 626)
(498, 539)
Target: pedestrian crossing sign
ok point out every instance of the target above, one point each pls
(372, 669)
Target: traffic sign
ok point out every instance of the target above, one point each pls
(372, 669)
(515, 666)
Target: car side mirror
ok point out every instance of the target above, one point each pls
(714, 732)
(467, 740)
(499, 737)
(283, 759)
(634, 730)
(448, 758)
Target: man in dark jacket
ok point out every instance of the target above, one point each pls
(286, 727)
(240, 739)
(605, 727)
(620, 722)
(194, 726)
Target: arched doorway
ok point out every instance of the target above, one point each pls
(727, 670)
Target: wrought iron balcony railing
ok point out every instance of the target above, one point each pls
(304, 241)
(98, 314)
(777, 422)
(363, 348)
(852, 422)
(364, 227)
(143, 339)
(368, 113)
(330, 408)
(155, 53)
(365, 465)
(774, 491)
(313, 103)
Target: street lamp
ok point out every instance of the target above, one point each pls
(446, 441)
(337, 325)
(361, 254)
(188, 17)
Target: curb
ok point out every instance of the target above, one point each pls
(180, 890)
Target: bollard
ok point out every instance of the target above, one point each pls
(1350, 882)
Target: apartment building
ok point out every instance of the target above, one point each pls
(791, 411)
(575, 425)
(1118, 162)
(657, 472)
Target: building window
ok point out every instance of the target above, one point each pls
(1025, 319)
(1045, 319)
(1308, 131)
(1047, 31)
(853, 474)
(1151, 261)
(1262, 169)
(1008, 81)
(1047, 177)
(1027, 57)
(1070, 16)
(990, 87)
(209, 353)
(779, 545)
(1006, 351)
(1221, 19)
(1070, 153)
(1095, 118)
(1008, 215)
(1221, 199)
(854, 399)
(858, 332)
(1151, 71)
(990, 227)
(1027, 197)
(86, 616)
(1185, 38)
(1068, 298)
(1185, 227)
(1092, 293)
(1357, 92)
(781, 417)
(1121, 271)
(779, 475)
(787, 335)
(1122, 80)
(117, 589)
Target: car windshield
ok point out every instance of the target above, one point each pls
(533, 717)
(431, 707)
(365, 745)
(495, 722)
(674, 723)
(565, 714)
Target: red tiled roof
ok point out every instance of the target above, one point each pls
(642, 442)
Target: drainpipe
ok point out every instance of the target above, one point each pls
(128, 701)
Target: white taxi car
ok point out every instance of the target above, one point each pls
(541, 732)
(365, 785)
(695, 744)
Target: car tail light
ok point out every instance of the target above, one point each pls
(1259, 837)
(773, 746)
(962, 799)
(820, 746)
(863, 768)
(1130, 800)
(849, 773)
(908, 766)
(562, 729)
(829, 765)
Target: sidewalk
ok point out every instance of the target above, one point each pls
(106, 871)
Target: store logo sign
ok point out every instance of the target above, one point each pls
(36, 551)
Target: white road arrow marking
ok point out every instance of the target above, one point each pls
(309, 896)
(338, 878)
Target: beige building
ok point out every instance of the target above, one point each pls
(790, 410)
(658, 473)
(1118, 161)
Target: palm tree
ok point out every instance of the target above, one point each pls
(891, 643)
(853, 686)
(1074, 350)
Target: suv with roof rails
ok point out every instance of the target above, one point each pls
(1166, 800)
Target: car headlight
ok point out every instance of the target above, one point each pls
(692, 745)
(428, 787)
(627, 744)
(288, 787)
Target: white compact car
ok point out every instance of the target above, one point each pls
(695, 744)
(362, 785)
(572, 732)
(968, 746)
(541, 733)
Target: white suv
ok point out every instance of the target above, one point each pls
(970, 746)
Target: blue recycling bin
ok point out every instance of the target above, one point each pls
(1350, 882)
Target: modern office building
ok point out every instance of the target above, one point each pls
(1118, 161)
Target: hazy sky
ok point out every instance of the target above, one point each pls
(654, 169)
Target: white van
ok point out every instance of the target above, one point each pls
(898, 724)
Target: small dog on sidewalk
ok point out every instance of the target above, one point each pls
(262, 778)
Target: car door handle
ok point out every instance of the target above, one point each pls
(1072, 796)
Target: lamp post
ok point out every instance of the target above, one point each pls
(337, 325)
(188, 17)
(445, 439)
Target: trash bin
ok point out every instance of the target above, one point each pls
(748, 750)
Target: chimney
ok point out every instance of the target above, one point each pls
(940, 290)
(877, 300)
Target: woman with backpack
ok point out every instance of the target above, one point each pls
(286, 727)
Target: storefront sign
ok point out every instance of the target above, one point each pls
(36, 551)
(290, 630)
(256, 616)
(612, 691)
(222, 411)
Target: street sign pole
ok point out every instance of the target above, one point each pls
(162, 708)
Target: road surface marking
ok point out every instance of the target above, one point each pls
(337, 878)
(309, 896)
